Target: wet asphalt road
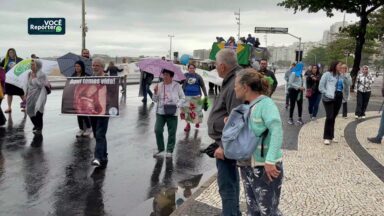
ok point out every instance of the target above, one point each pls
(52, 175)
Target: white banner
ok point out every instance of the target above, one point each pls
(208, 76)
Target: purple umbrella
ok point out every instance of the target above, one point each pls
(156, 66)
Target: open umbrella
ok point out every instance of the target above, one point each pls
(67, 64)
(18, 75)
(156, 66)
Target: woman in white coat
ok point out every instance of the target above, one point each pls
(36, 95)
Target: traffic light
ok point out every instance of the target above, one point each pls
(299, 55)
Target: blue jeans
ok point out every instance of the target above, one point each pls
(99, 128)
(380, 133)
(313, 104)
(229, 189)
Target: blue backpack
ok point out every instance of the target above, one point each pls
(239, 141)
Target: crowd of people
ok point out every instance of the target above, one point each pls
(36, 95)
(254, 42)
(262, 174)
(332, 88)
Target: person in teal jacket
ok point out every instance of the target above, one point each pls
(263, 177)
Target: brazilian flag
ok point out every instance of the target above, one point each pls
(243, 52)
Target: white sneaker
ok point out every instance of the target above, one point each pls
(327, 142)
(96, 162)
(335, 141)
(159, 154)
(363, 117)
(79, 133)
(87, 132)
(356, 117)
(168, 155)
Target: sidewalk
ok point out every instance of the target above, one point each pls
(345, 178)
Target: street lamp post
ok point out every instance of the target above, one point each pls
(315, 57)
(237, 17)
(170, 46)
(299, 38)
(84, 28)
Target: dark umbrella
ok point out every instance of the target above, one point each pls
(67, 64)
(210, 150)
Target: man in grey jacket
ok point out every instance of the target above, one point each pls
(227, 177)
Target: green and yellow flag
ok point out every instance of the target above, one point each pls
(243, 52)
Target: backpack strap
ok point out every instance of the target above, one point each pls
(265, 133)
(263, 136)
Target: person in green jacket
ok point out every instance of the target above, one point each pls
(263, 178)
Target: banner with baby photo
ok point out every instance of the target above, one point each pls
(91, 96)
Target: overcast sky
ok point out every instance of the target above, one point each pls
(141, 27)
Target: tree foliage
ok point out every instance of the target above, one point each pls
(358, 7)
(362, 8)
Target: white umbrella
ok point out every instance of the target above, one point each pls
(18, 75)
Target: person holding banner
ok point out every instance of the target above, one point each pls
(36, 95)
(83, 121)
(10, 60)
(99, 123)
(169, 96)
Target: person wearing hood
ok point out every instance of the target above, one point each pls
(10, 60)
(83, 121)
(36, 95)
(295, 91)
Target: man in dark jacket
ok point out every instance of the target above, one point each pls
(227, 177)
(268, 73)
(112, 69)
(146, 82)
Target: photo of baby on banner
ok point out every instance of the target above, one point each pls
(91, 96)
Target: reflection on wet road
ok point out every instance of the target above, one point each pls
(51, 174)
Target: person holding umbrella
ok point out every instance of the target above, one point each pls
(10, 60)
(36, 95)
(169, 96)
(83, 121)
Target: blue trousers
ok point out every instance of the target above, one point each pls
(146, 90)
(99, 129)
(313, 104)
(380, 133)
(229, 189)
